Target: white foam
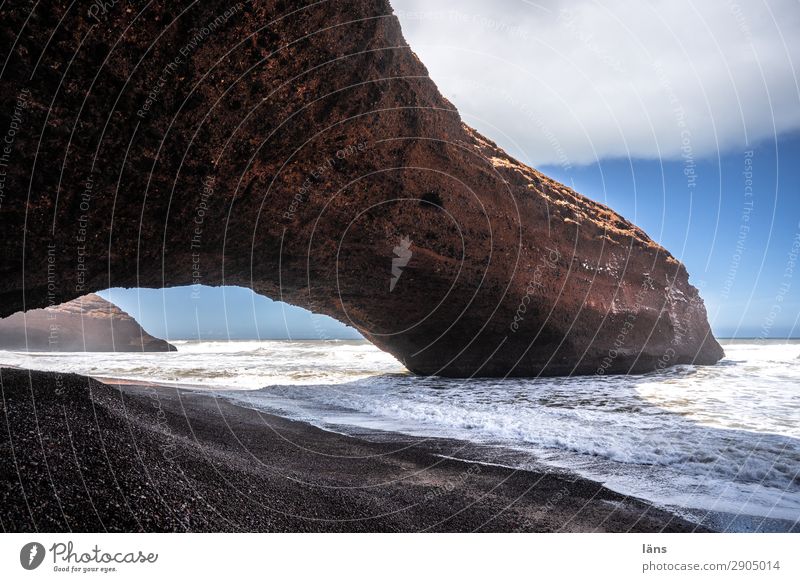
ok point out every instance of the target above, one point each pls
(242, 365)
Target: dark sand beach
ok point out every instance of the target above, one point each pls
(82, 455)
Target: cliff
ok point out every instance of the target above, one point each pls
(301, 149)
(87, 324)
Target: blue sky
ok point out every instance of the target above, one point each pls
(737, 247)
(221, 313)
(652, 108)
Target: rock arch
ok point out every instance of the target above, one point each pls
(237, 144)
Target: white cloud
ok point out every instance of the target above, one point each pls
(570, 82)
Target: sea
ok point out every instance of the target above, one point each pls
(718, 445)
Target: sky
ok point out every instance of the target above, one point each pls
(682, 116)
(223, 313)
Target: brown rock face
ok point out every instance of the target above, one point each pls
(304, 152)
(87, 324)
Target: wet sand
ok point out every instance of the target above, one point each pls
(81, 455)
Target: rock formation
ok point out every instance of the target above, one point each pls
(291, 147)
(87, 324)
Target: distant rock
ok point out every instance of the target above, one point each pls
(87, 324)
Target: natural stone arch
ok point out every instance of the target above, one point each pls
(125, 167)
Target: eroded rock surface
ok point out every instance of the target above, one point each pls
(87, 324)
(295, 150)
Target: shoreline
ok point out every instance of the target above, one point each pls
(90, 456)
